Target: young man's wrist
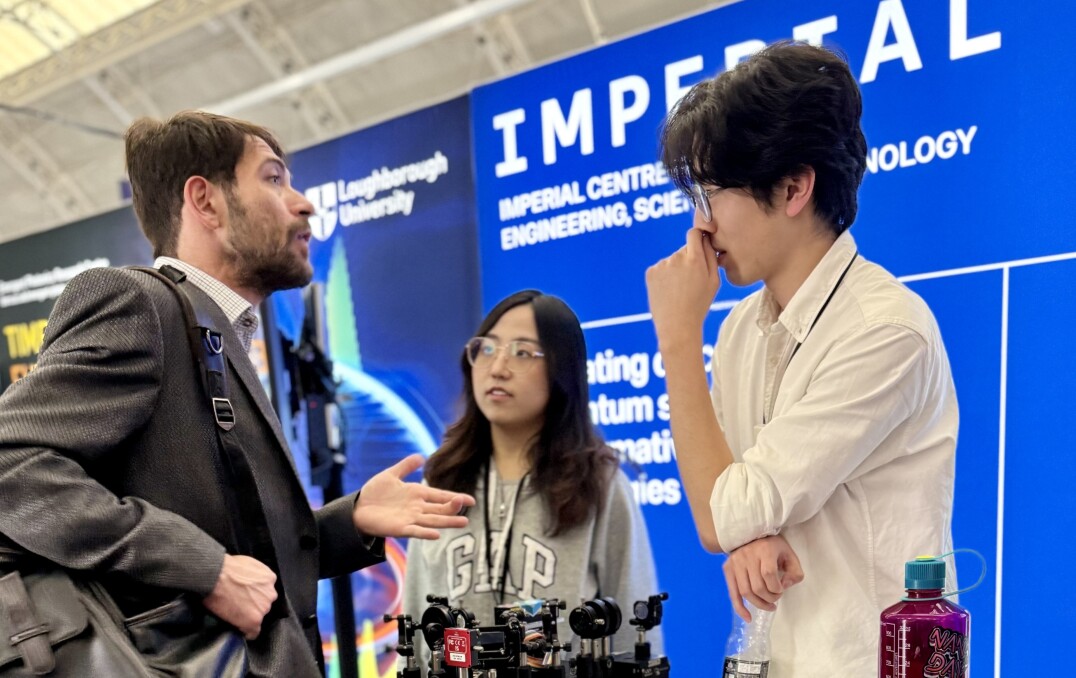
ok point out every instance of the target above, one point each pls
(680, 345)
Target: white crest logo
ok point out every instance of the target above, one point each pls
(323, 222)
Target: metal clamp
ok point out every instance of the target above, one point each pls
(214, 342)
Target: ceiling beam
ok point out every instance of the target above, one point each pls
(121, 96)
(590, 13)
(111, 44)
(500, 42)
(56, 187)
(401, 41)
(276, 50)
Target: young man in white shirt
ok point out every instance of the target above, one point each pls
(825, 451)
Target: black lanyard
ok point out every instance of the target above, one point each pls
(814, 322)
(507, 548)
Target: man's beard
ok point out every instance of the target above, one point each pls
(259, 261)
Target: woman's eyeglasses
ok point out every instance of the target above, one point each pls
(520, 354)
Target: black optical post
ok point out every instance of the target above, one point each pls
(314, 390)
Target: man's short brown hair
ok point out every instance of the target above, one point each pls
(161, 156)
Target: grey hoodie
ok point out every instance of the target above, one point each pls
(606, 556)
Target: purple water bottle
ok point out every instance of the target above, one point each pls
(925, 635)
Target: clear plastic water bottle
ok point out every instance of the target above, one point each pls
(747, 653)
(925, 634)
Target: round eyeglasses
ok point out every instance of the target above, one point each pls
(700, 198)
(520, 355)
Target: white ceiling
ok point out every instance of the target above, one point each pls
(178, 54)
(31, 31)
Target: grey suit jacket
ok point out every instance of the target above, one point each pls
(109, 463)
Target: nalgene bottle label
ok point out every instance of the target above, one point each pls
(741, 668)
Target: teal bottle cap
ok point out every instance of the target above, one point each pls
(924, 573)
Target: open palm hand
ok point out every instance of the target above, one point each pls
(390, 507)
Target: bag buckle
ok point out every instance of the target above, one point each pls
(31, 635)
(223, 413)
(33, 632)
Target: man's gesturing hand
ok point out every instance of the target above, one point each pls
(390, 507)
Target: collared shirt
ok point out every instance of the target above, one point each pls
(848, 451)
(239, 311)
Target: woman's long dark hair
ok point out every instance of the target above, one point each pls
(571, 467)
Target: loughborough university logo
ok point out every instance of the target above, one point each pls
(324, 199)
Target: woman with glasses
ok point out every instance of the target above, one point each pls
(555, 516)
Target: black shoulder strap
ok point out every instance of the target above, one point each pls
(249, 525)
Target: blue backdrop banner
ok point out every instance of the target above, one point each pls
(395, 249)
(968, 109)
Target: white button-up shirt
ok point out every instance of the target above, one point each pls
(848, 451)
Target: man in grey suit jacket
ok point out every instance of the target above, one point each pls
(109, 459)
